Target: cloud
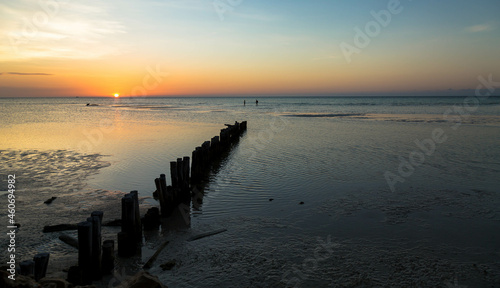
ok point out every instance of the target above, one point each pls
(479, 28)
(75, 30)
(27, 74)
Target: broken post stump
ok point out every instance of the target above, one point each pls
(27, 267)
(41, 263)
(108, 257)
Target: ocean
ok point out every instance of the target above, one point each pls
(319, 192)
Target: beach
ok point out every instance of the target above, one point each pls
(319, 192)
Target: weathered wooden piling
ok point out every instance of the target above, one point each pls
(161, 194)
(85, 250)
(184, 173)
(173, 173)
(180, 175)
(126, 238)
(196, 165)
(168, 194)
(128, 214)
(186, 194)
(205, 148)
(131, 232)
(27, 267)
(108, 257)
(96, 218)
(215, 146)
(41, 263)
(137, 222)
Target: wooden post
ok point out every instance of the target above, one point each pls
(224, 138)
(185, 177)
(215, 145)
(196, 165)
(161, 194)
(108, 257)
(27, 267)
(126, 238)
(128, 215)
(41, 263)
(100, 214)
(173, 173)
(137, 222)
(96, 245)
(85, 250)
(206, 155)
(167, 195)
(180, 175)
(193, 166)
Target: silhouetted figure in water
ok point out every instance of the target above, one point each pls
(244, 103)
(256, 102)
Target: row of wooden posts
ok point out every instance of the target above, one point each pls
(36, 267)
(96, 259)
(183, 174)
(201, 163)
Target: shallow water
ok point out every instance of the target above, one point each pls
(440, 224)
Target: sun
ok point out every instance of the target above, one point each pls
(117, 95)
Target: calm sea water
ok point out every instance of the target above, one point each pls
(396, 191)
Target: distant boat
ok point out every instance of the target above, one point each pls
(88, 104)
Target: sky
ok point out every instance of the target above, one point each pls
(246, 47)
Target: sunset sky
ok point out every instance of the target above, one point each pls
(245, 47)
